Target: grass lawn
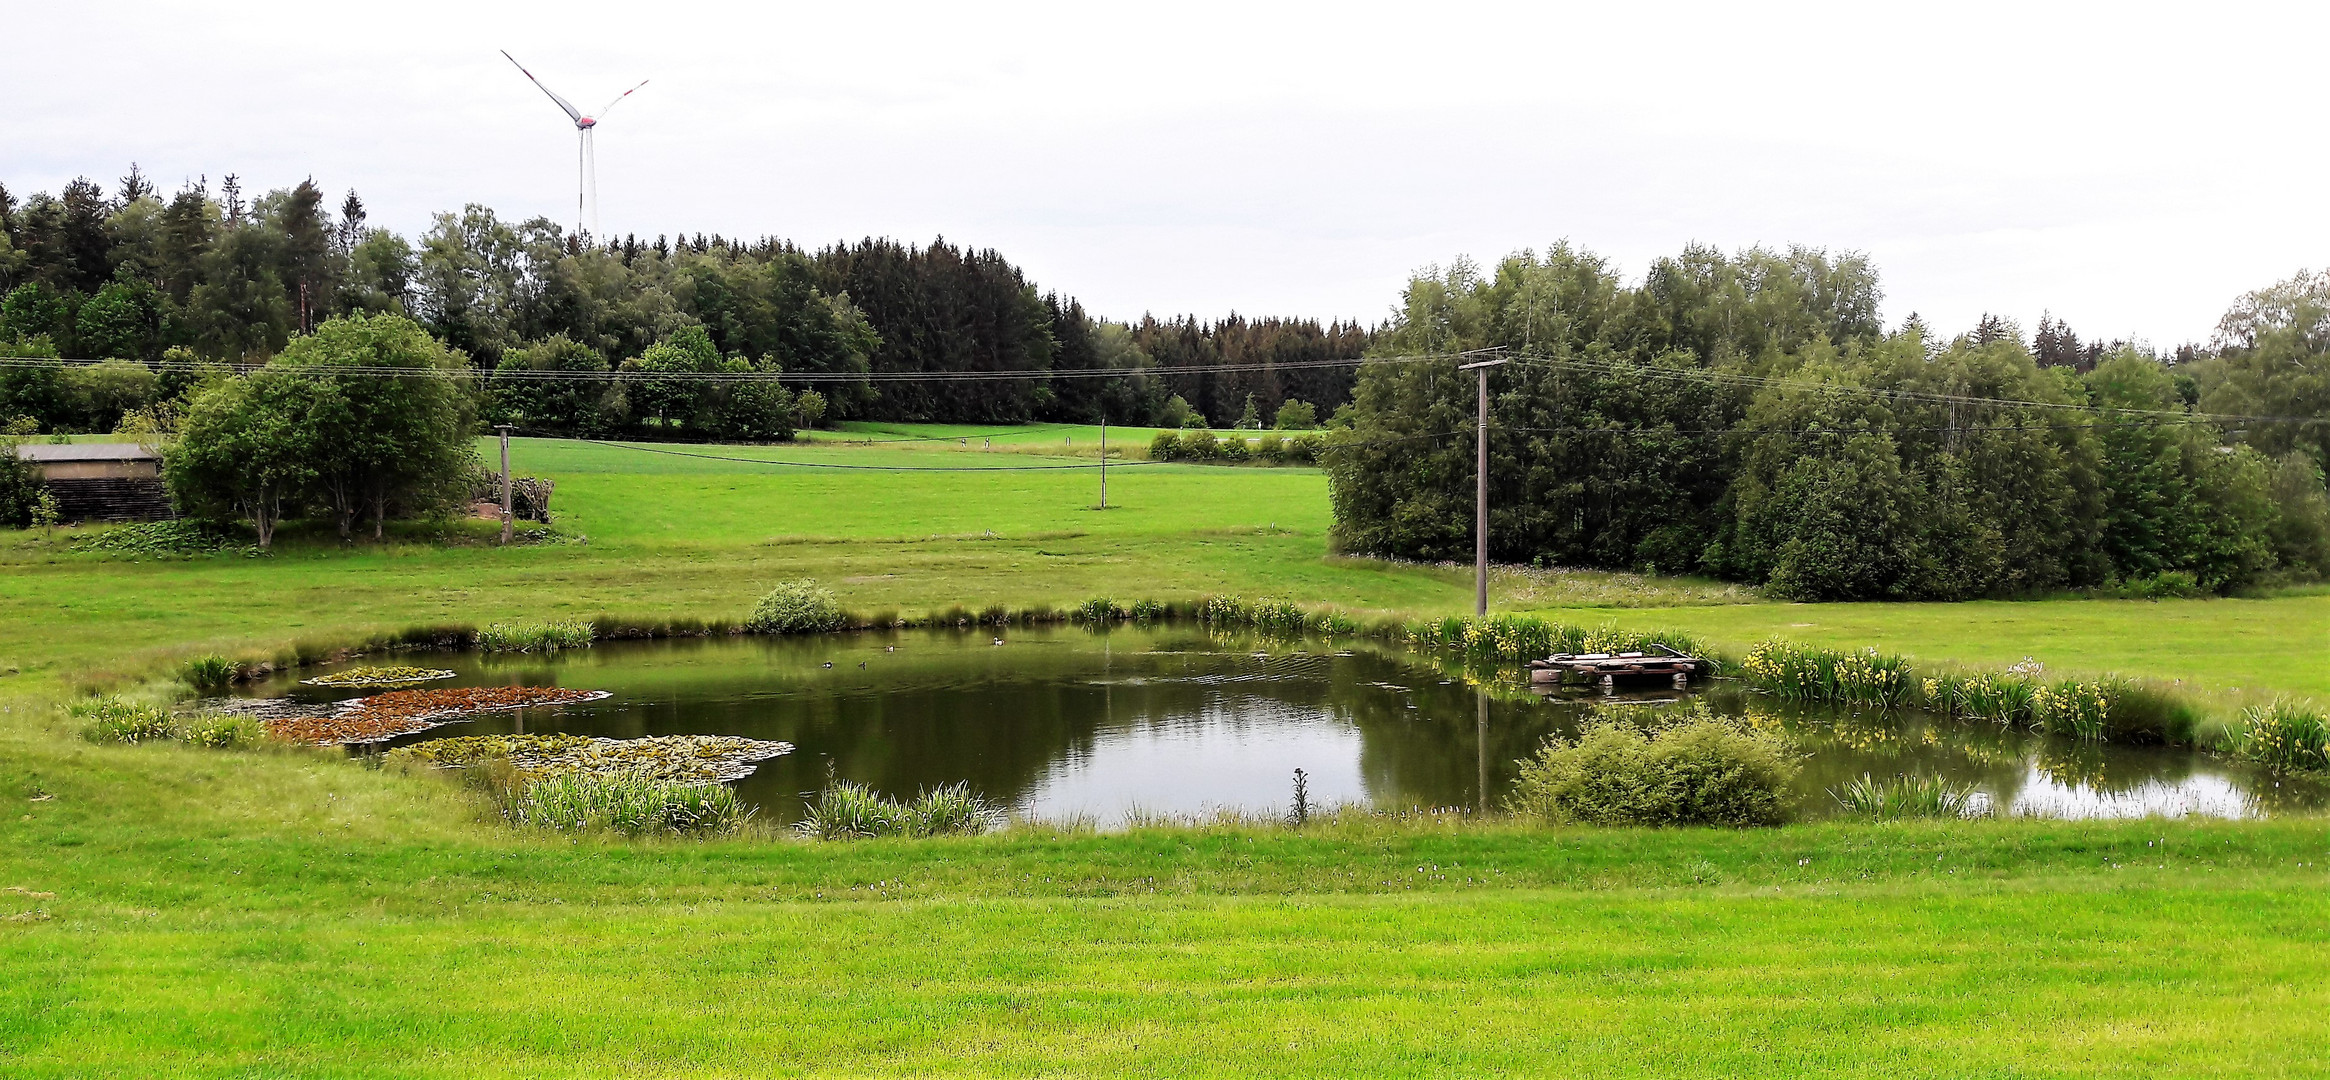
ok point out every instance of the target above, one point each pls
(282, 913)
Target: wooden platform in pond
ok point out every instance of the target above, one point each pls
(1608, 668)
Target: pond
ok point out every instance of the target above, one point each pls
(1067, 723)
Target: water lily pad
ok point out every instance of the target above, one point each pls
(379, 676)
(382, 717)
(675, 758)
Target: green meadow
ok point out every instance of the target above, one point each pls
(172, 911)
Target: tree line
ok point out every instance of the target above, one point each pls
(136, 278)
(1748, 417)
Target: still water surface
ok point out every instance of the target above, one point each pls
(1064, 722)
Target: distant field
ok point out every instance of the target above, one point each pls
(663, 529)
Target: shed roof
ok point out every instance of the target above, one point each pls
(102, 451)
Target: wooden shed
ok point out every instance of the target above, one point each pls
(102, 481)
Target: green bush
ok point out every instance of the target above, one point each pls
(1295, 414)
(796, 607)
(1199, 444)
(630, 805)
(1234, 448)
(1270, 448)
(849, 811)
(156, 539)
(1165, 447)
(1905, 797)
(1700, 771)
(1304, 449)
(543, 637)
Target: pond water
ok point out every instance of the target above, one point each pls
(1069, 723)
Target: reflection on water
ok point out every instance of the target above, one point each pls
(1065, 722)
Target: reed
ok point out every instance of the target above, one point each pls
(629, 805)
(536, 637)
(1807, 673)
(846, 810)
(2283, 735)
(1905, 796)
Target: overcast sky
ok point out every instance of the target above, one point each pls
(2131, 168)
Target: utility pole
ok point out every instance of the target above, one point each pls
(505, 430)
(1480, 496)
(1104, 462)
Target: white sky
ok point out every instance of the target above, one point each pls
(2130, 167)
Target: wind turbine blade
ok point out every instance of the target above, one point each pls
(572, 113)
(619, 98)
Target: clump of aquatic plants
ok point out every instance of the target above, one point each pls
(1796, 672)
(536, 637)
(2283, 735)
(212, 672)
(1527, 637)
(796, 607)
(1634, 767)
(1271, 616)
(118, 720)
(849, 811)
(630, 805)
(115, 720)
(1906, 796)
(379, 676)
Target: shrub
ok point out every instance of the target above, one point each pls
(848, 811)
(796, 607)
(2284, 735)
(1234, 448)
(1905, 797)
(1296, 414)
(1304, 449)
(113, 720)
(1270, 447)
(156, 539)
(1700, 771)
(1165, 447)
(542, 637)
(630, 805)
(1198, 444)
(2165, 585)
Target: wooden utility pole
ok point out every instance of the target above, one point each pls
(505, 430)
(1104, 463)
(1480, 495)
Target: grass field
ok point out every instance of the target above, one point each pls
(282, 913)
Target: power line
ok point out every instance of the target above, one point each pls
(635, 375)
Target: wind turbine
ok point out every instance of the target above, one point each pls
(586, 199)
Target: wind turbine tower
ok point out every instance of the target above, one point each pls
(586, 198)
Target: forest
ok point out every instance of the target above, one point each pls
(158, 285)
(1748, 417)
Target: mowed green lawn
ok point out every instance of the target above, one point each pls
(240, 915)
(179, 912)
